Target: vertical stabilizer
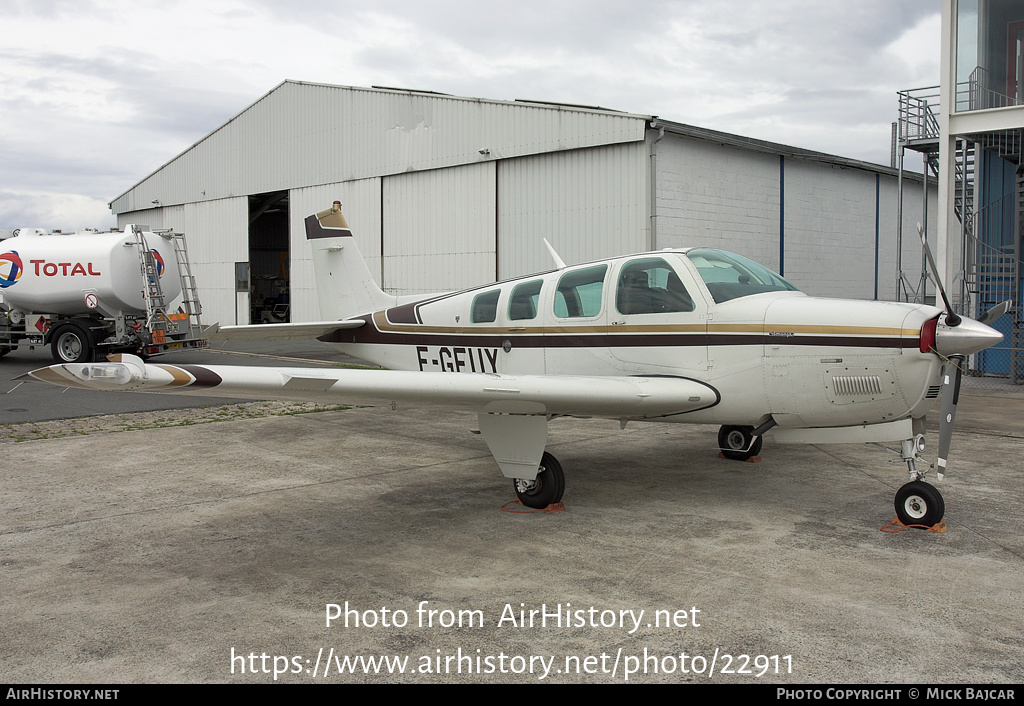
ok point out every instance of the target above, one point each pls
(344, 284)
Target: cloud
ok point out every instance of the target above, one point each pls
(54, 211)
(94, 95)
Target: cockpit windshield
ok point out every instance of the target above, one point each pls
(730, 276)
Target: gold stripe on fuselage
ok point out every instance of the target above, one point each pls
(180, 376)
(382, 324)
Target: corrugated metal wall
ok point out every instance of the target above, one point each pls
(152, 217)
(439, 229)
(217, 233)
(306, 134)
(588, 203)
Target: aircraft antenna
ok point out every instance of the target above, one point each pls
(559, 263)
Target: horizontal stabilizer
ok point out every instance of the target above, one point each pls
(279, 332)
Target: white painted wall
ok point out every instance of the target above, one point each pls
(713, 195)
(709, 195)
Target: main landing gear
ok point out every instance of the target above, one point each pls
(546, 489)
(739, 443)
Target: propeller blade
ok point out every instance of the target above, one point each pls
(995, 312)
(951, 318)
(951, 376)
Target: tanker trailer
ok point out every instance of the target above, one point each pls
(90, 294)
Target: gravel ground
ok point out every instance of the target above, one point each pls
(135, 421)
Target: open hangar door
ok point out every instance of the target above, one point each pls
(269, 257)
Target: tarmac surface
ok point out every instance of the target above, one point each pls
(150, 547)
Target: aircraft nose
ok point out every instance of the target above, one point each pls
(969, 336)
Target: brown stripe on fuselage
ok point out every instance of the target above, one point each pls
(637, 336)
(405, 314)
(386, 323)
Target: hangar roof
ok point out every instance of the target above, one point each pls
(756, 145)
(304, 134)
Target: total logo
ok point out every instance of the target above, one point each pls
(11, 268)
(51, 269)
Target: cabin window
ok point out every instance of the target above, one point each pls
(485, 307)
(522, 305)
(730, 276)
(651, 286)
(579, 292)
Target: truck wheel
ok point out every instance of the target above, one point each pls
(70, 344)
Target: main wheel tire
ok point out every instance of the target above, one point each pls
(548, 487)
(735, 442)
(71, 344)
(918, 503)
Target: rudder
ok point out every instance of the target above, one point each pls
(344, 284)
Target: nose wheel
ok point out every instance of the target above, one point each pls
(918, 503)
(546, 489)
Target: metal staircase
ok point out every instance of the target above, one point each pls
(1017, 328)
(990, 274)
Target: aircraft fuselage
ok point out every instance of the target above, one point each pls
(769, 351)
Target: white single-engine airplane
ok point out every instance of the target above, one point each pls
(692, 335)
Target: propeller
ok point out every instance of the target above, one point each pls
(969, 336)
(951, 318)
(952, 373)
(995, 312)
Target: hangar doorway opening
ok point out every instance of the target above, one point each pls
(269, 258)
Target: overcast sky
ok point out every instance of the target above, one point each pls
(97, 94)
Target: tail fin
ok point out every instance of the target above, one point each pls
(344, 284)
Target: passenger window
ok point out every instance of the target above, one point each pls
(485, 307)
(651, 286)
(579, 293)
(522, 305)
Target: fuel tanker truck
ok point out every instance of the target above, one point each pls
(90, 294)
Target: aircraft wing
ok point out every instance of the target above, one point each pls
(611, 397)
(279, 332)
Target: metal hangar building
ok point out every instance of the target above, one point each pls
(445, 193)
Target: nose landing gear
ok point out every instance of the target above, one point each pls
(917, 502)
